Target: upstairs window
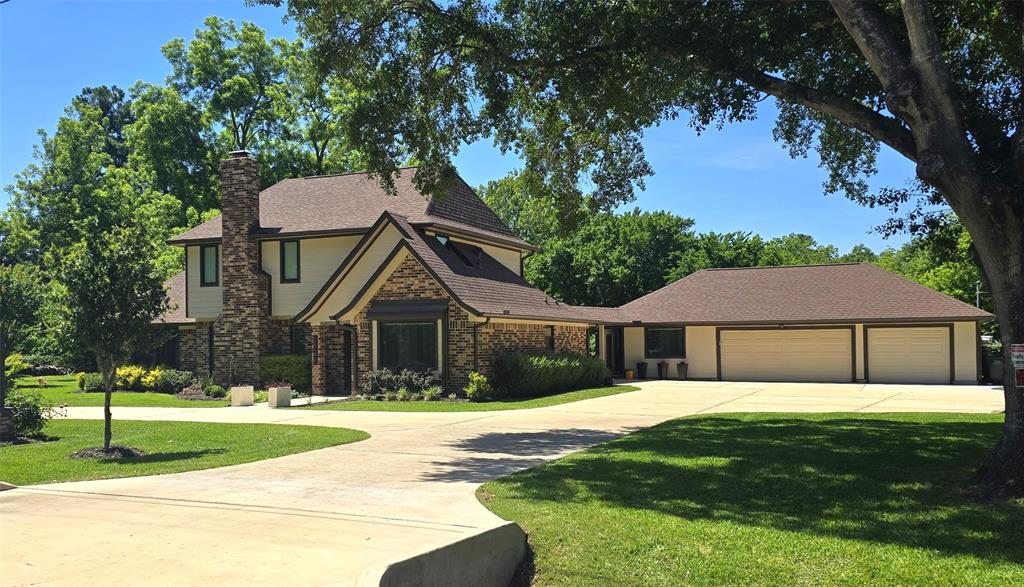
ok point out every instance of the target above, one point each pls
(209, 265)
(290, 261)
(665, 343)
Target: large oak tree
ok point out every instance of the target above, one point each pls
(572, 85)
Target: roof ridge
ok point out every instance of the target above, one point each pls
(358, 172)
(785, 266)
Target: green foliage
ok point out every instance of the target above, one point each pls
(215, 391)
(173, 381)
(30, 412)
(529, 375)
(129, 377)
(433, 393)
(295, 370)
(92, 382)
(478, 389)
(385, 383)
(80, 379)
(15, 364)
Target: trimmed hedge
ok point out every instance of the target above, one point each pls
(296, 370)
(534, 375)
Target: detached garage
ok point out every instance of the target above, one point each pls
(850, 322)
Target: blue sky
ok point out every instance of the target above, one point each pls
(734, 179)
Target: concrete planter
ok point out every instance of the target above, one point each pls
(279, 397)
(241, 395)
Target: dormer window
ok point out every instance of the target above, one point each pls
(290, 261)
(209, 266)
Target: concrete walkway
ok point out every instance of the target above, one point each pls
(339, 516)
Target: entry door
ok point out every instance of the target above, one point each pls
(908, 354)
(786, 354)
(614, 353)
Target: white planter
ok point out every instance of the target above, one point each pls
(241, 395)
(279, 397)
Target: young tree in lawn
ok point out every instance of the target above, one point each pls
(21, 295)
(109, 292)
(573, 85)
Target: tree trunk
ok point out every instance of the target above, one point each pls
(3, 370)
(1000, 247)
(106, 367)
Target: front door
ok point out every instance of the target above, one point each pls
(614, 354)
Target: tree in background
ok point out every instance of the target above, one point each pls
(21, 296)
(116, 116)
(572, 87)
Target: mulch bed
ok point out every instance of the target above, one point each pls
(115, 452)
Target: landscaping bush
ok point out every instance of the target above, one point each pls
(384, 381)
(15, 364)
(292, 369)
(129, 377)
(531, 375)
(215, 391)
(30, 412)
(80, 378)
(173, 381)
(478, 389)
(433, 393)
(92, 382)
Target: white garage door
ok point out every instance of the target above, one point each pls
(908, 355)
(786, 355)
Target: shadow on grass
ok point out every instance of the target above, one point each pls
(164, 457)
(877, 480)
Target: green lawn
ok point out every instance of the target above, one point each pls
(169, 447)
(777, 499)
(63, 389)
(446, 406)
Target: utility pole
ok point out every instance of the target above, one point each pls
(977, 294)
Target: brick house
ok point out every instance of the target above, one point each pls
(335, 267)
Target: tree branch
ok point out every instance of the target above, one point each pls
(886, 129)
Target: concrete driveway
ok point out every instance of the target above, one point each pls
(342, 515)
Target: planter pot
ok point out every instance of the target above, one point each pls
(279, 397)
(681, 369)
(241, 395)
(662, 369)
(629, 374)
(641, 369)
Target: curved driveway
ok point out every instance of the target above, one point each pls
(334, 515)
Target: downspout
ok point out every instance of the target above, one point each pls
(353, 356)
(476, 343)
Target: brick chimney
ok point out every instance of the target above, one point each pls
(241, 330)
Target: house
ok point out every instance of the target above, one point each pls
(361, 279)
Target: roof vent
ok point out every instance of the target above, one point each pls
(442, 238)
(505, 312)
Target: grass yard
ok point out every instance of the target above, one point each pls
(63, 389)
(776, 499)
(446, 406)
(169, 447)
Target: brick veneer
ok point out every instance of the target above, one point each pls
(410, 281)
(330, 361)
(242, 329)
(194, 349)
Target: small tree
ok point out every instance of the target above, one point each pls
(21, 296)
(110, 291)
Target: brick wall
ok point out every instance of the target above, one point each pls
(330, 361)
(279, 337)
(504, 337)
(194, 349)
(242, 329)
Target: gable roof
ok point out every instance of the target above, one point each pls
(351, 203)
(852, 292)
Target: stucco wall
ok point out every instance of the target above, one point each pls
(203, 302)
(318, 258)
(965, 341)
(700, 352)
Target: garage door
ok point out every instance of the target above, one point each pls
(908, 355)
(786, 355)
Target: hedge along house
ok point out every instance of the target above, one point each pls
(360, 279)
(822, 323)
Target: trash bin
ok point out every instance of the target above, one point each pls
(641, 369)
(681, 369)
(662, 369)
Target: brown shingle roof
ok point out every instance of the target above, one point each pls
(353, 202)
(175, 287)
(485, 286)
(814, 293)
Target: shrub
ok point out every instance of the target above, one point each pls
(391, 396)
(15, 364)
(404, 395)
(433, 393)
(526, 375)
(80, 378)
(173, 381)
(129, 377)
(151, 378)
(478, 389)
(30, 412)
(296, 370)
(215, 391)
(92, 382)
(383, 381)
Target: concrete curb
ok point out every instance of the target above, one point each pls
(491, 557)
(6, 486)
